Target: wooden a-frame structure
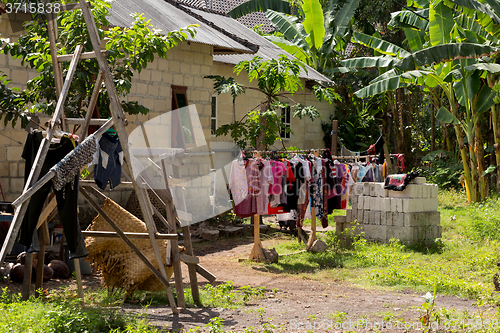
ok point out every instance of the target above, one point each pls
(118, 121)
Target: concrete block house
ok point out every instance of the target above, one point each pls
(219, 44)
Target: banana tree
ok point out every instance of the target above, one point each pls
(439, 60)
(484, 18)
(317, 39)
(309, 31)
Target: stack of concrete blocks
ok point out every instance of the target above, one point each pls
(410, 215)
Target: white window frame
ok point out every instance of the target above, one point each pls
(286, 113)
(212, 116)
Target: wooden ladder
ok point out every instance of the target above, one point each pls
(118, 120)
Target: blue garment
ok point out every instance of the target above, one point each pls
(109, 167)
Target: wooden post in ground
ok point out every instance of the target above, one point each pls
(257, 253)
(28, 263)
(312, 238)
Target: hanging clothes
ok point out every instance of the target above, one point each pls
(66, 197)
(108, 160)
(242, 184)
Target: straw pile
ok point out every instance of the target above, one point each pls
(119, 265)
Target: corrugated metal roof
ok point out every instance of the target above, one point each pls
(167, 17)
(267, 50)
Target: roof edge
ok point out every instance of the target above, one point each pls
(212, 25)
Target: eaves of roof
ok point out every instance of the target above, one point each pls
(267, 50)
(167, 16)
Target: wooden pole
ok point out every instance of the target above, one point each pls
(335, 125)
(28, 264)
(78, 276)
(312, 238)
(257, 253)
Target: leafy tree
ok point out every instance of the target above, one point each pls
(128, 50)
(448, 62)
(276, 78)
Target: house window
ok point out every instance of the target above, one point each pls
(182, 134)
(286, 120)
(213, 116)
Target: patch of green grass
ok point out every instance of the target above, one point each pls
(226, 296)
(55, 315)
(462, 262)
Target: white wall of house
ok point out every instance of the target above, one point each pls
(187, 64)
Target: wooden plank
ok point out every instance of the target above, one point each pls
(148, 152)
(41, 261)
(65, 88)
(92, 183)
(206, 274)
(162, 218)
(81, 121)
(151, 226)
(168, 257)
(58, 73)
(186, 258)
(85, 55)
(72, 6)
(186, 236)
(162, 277)
(179, 288)
(112, 234)
(78, 276)
(92, 104)
(26, 291)
(47, 210)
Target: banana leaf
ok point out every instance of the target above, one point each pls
(380, 45)
(259, 6)
(445, 53)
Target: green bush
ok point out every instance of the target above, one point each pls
(442, 168)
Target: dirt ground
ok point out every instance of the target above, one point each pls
(299, 305)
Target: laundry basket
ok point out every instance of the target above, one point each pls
(119, 265)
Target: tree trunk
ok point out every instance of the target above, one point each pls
(474, 175)
(479, 151)
(398, 120)
(496, 132)
(447, 141)
(433, 129)
(259, 144)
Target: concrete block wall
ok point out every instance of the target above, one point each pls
(410, 215)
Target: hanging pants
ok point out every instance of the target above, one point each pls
(67, 198)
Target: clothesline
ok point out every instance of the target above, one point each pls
(360, 156)
(283, 151)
